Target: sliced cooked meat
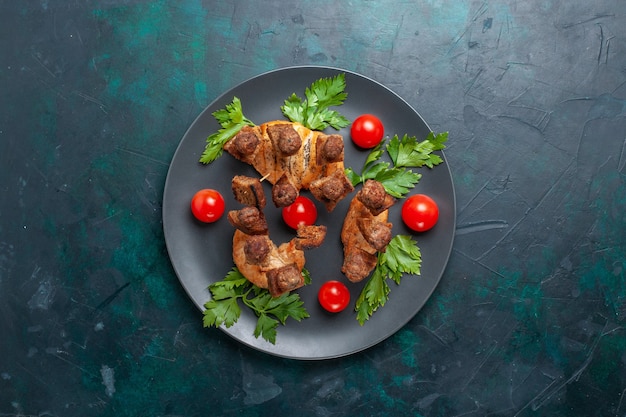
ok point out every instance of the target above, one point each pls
(359, 253)
(285, 138)
(284, 279)
(309, 237)
(257, 248)
(376, 233)
(248, 191)
(374, 197)
(284, 192)
(249, 220)
(278, 257)
(331, 189)
(358, 264)
(332, 150)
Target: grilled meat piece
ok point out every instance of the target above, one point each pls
(248, 191)
(374, 197)
(256, 248)
(285, 138)
(364, 233)
(331, 189)
(277, 258)
(331, 147)
(284, 279)
(284, 192)
(245, 142)
(249, 220)
(309, 237)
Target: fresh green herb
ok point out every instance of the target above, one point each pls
(404, 153)
(223, 308)
(313, 112)
(402, 256)
(232, 119)
(409, 152)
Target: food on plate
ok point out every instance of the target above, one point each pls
(365, 230)
(420, 212)
(333, 296)
(367, 131)
(207, 205)
(277, 268)
(301, 211)
(293, 157)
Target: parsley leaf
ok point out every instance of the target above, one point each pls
(224, 309)
(313, 111)
(402, 256)
(398, 181)
(409, 152)
(232, 119)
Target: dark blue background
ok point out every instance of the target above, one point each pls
(529, 316)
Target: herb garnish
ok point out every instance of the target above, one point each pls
(404, 153)
(223, 308)
(313, 112)
(402, 256)
(232, 119)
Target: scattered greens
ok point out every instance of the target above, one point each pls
(224, 308)
(402, 256)
(313, 112)
(232, 120)
(404, 153)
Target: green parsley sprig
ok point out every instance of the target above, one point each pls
(224, 308)
(313, 112)
(402, 256)
(404, 153)
(232, 119)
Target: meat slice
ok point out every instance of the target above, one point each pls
(365, 234)
(309, 237)
(331, 189)
(248, 191)
(257, 248)
(374, 197)
(249, 220)
(285, 138)
(376, 233)
(276, 271)
(284, 279)
(284, 192)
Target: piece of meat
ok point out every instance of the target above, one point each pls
(359, 255)
(245, 143)
(257, 248)
(376, 233)
(278, 257)
(284, 192)
(331, 189)
(285, 138)
(374, 197)
(248, 191)
(309, 237)
(249, 220)
(331, 148)
(284, 279)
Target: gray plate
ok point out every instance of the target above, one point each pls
(201, 253)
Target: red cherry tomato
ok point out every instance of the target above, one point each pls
(301, 211)
(334, 296)
(367, 131)
(207, 205)
(420, 212)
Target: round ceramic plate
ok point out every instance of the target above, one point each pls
(201, 253)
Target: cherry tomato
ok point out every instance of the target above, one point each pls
(207, 205)
(334, 296)
(420, 212)
(367, 131)
(301, 211)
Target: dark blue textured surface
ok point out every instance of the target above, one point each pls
(529, 317)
